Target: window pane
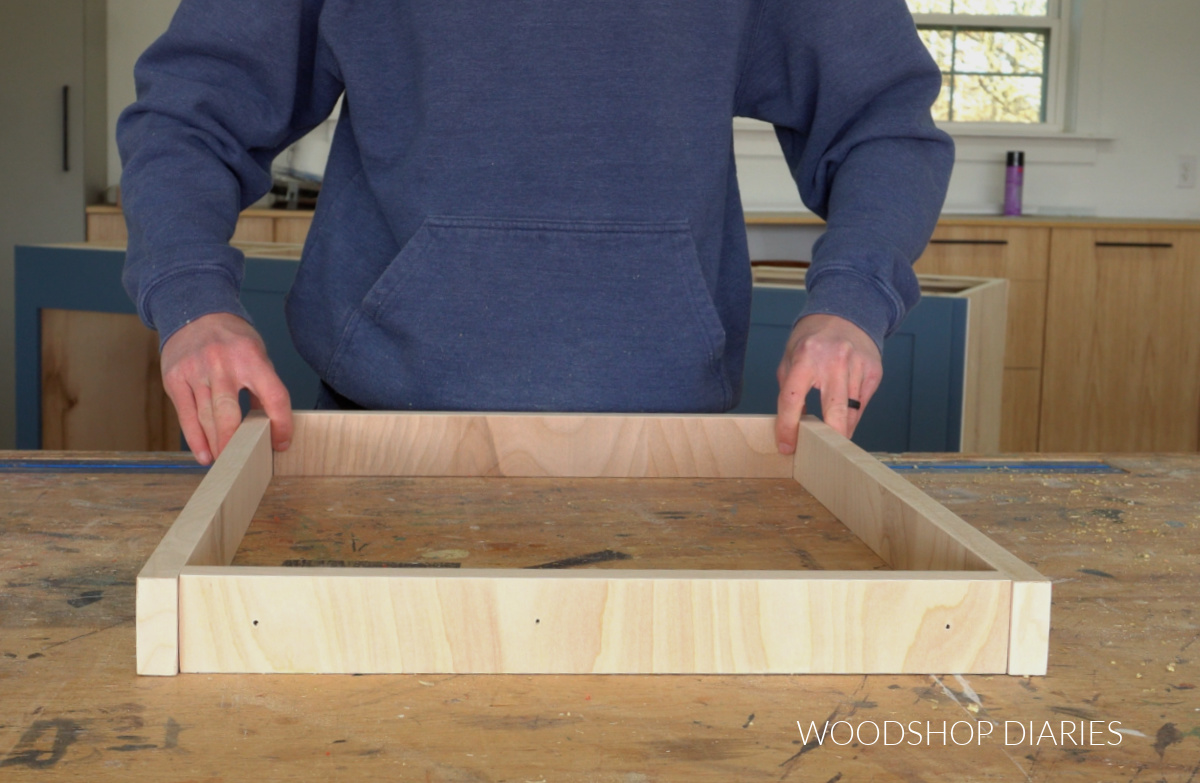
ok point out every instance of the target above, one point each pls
(1001, 7)
(930, 6)
(940, 44)
(997, 98)
(986, 51)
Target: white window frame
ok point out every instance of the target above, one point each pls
(1056, 24)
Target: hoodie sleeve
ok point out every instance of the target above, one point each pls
(229, 86)
(848, 86)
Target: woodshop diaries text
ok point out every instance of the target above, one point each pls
(963, 732)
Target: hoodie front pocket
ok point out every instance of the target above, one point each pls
(479, 314)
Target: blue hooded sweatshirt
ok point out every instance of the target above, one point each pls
(531, 205)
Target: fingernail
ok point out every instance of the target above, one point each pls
(284, 446)
(204, 458)
(786, 448)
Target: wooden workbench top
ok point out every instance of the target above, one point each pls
(1123, 547)
(801, 218)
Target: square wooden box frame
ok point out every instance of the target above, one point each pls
(956, 601)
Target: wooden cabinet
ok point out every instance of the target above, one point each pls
(1122, 362)
(1021, 255)
(289, 227)
(1102, 343)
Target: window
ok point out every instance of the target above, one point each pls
(1001, 60)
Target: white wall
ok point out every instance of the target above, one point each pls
(1138, 90)
(132, 26)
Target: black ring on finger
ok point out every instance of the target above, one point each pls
(853, 404)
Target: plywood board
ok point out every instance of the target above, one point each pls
(957, 601)
(207, 532)
(498, 621)
(597, 445)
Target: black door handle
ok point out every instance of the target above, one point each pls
(66, 129)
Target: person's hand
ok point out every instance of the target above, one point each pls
(831, 354)
(205, 365)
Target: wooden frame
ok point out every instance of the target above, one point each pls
(957, 602)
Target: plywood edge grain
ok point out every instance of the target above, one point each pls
(611, 574)
(207, 531)
(1029, 634)
(531, 444)
(157, 627)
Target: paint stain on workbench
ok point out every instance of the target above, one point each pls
(300, 563)
(714, 749)
(603, 556)
(86, 598)
(1111, 514)
(1167, 736)
(30, 751)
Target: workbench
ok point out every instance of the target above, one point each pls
(1119, 536)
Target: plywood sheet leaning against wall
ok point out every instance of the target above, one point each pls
(956, 602)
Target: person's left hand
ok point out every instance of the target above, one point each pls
(831, 354)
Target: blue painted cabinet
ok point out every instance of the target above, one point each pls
(77, 278)
(918, 407)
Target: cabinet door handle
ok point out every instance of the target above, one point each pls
(66, 129)
(968, 241)
(1166, 245)
(784, 264)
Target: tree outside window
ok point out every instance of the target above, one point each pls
(998, 58)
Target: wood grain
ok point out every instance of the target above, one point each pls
(405, 619)
(644, 524)
(66, 669)
(1022, 402)
(106, 227)
(901, 524)
(206, 532)
(1122, 365)
(1023, 260)
(1015, 253)
(1029, 634)
(292, 230)
(910, 531)
(102, 384)
(983, 376)
(797, 218)
(597, 445)
(254, 229)
(1021, 255)
(623, 622)
(1026, 324)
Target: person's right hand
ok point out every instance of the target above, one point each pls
(205, 365)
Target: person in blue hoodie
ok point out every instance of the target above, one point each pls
(528, 206)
